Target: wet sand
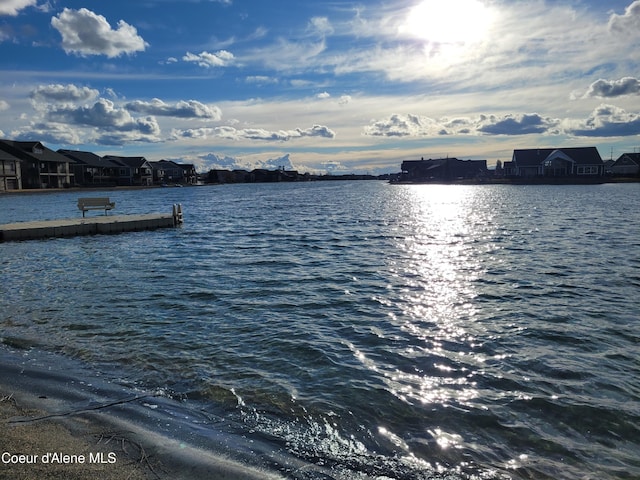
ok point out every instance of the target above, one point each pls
(44, 444)
(81, 446)
(69, 425)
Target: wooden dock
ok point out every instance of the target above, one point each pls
(104, 224)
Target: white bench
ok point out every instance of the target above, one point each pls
(99, 203)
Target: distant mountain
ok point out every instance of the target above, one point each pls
(278, 163)
(213, 161)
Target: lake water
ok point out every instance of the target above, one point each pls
(364, 329)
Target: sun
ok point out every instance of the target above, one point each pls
(448, 21)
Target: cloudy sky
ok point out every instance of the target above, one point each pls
(320, 86)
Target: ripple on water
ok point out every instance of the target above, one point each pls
(404, 332)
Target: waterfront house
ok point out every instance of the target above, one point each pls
(443, 169)
(189, 173)
(262, 175)
(40, 167)
(132, 170)
(167, 171)
(627, 164)
(584, 162)
(10, 172)
(227, 176)
(91, 169)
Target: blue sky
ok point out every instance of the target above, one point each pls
(334, 86)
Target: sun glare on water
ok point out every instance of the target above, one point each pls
(448, 21)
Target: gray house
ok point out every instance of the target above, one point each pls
(189, 173)
(443, 169)
(584, 162)
(132, 170)
(40, 167)
(90, 169)
(10, 172)
(167, 171)
(626, 164)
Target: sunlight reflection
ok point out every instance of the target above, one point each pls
(438, 266)
(446, 440)
(393, 438)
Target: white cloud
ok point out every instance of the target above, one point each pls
(181, 109)
(323, 95)
(261, 134)
(148, 135)
(287, 55)
(284, 135)
(320, 26)
(221, 58)
(86, 33)
(614, 88)
(45, 7)
(604, 121)
(334, 167)
(521, 124)
(48, 132)
(12, 7)
(629, 22)
(409, 125)
(63, 93)
(607, 121)
(400, 125)
(261, 80)
(4, 105)
(115, 125)
(194, 133)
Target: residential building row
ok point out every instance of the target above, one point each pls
(31, 165)
(578, 163)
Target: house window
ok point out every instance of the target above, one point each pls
(587, 170)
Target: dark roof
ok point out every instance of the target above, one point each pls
(32, 151)
(535, 156)
(423, 164)
(8, 156)
(633, 157)
(452, 162)
(165, 164)
(133, 162)
(87, 158)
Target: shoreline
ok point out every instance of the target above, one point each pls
(486, 181)
(521, 181)
(66, 423)
(89, 189)
(34, 446)
(63, 422)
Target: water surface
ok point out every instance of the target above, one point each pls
(383, 331)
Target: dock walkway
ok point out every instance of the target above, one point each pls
(88, 226)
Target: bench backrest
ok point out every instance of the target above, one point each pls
(93, 201)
